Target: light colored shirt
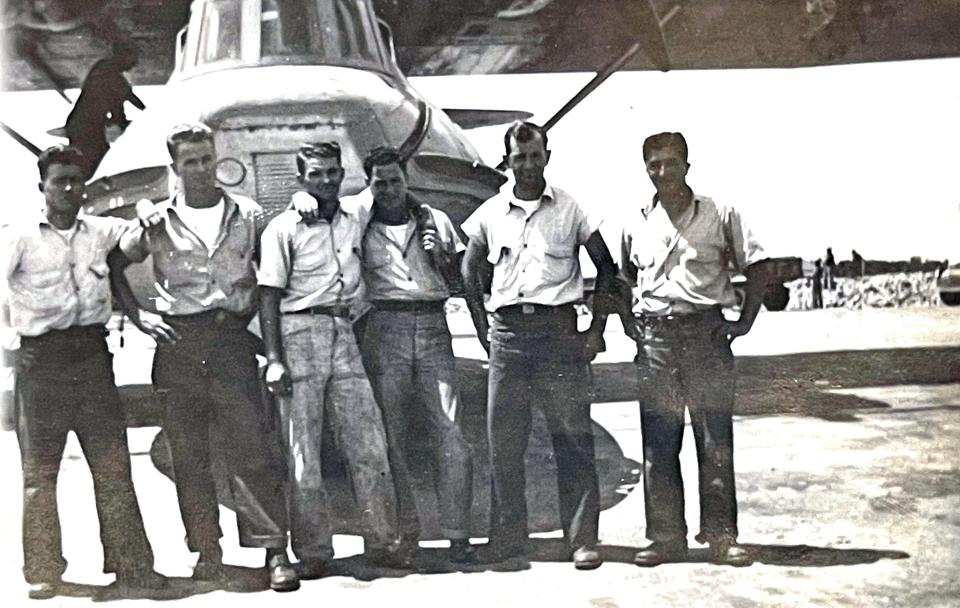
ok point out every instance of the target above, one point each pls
(399, 268)
(687, 267)
(193, 278)
(203, 221)
(534, 251)
(315, 264)
(53, 281)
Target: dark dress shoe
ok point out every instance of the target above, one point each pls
(728, 552)
(587, 558)
(661, 553)
(462, 552)
(392, 558)
(43, 590)
(141, 579)
(310, 569)
(283, 577)
(209, 570)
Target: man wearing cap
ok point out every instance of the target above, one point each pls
(309, 282)
(677, 257)
(410, 259)
(529, 237)
(203, 242)
(56, 296)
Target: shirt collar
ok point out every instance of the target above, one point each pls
(506, 193)
(42, 220)
(177, 201)
(655, 202)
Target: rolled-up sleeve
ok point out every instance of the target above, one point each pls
(745, 246)
(588, 222)
(133, 243)
(448, 234)
(275, 246)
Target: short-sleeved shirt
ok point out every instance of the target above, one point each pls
(317, 263)
(685, 269)
(394, 270)
(535, 254)
(192, 278)
(53, 281)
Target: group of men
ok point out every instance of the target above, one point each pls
(350, 292)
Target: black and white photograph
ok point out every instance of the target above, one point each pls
(568, 303)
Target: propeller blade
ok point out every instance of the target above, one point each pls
(472, 119)
(20, 139)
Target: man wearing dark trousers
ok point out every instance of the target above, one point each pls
(57, 297)
(203, 243)
(410, 257)
(527, 240)
(677, 257)
(310, 281)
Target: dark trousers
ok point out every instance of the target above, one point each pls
(65, 383)
(682, 366)
(409, 357)
(536, 359)
(212, 401)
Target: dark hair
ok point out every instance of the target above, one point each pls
(187, 133)
(523, 131)
(660, 141)
(323, 149)
(61, 154)
(381, 157)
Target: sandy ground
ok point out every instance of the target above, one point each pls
(848, 475)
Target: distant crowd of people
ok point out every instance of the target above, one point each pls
(350, 292)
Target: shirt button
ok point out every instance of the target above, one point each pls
(409, 278)
(520, 294)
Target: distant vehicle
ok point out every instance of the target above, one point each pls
(949, 285)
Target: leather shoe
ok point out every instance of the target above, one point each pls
(310, 569)
(730, 553)
(141, 579)
(282, 575)
(389, 557)
(660, 552)
(462, 552)
(43, 590)
(587, 557)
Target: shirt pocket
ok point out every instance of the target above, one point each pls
(96, 283)
(181, 268)
(375, 258)
(557, 263)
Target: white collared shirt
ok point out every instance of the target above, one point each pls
(534, 249)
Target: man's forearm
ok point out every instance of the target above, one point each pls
(120, 286)
(270, 323)
(755, 290)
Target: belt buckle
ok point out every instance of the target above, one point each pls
(528, 309)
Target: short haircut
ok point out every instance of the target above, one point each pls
(522, 131)
(61, 154)
(323, 149)
(381, 157)
(191, 133)
(662, 141)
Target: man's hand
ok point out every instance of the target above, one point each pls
(431, 241)
(154, 326)
(149, 214)
(731, 330)
(308, 207)
(278, 379)
(593, 343)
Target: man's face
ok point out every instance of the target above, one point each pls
(527, 160)
(389, 186)
(63, 188)
(322, 177)
(666, 168)
(196, 164)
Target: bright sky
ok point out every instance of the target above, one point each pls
(862, 156)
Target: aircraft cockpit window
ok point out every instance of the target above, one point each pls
(335, 32)
(220, 37)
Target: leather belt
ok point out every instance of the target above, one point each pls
(409, 305)
(533, 309)
(679, 319)
(330, 311)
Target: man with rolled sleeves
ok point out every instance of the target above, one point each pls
(56, 293)
(203, 243)
(410, 258)
(309, 283)
(677, 257)
(531, 234)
